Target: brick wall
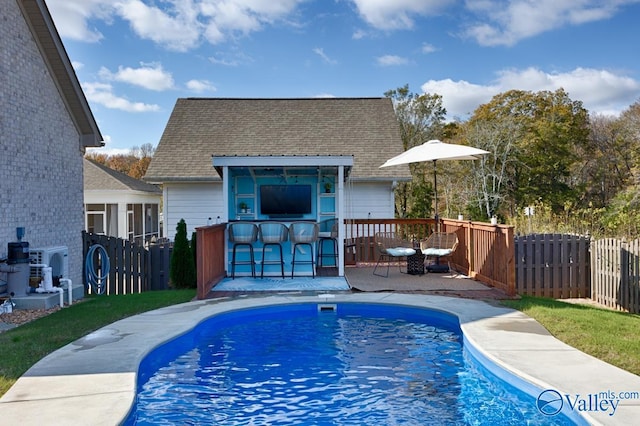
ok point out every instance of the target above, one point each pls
(41, 185)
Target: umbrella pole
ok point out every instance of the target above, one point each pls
(437, 267)
(435, 192)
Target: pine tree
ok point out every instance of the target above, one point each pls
(183, 269)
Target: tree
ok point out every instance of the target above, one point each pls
(134, 164)
(493, 172)
(553, 131)
(421, 118)
(630, 122)
(607, 163)
(183, 269)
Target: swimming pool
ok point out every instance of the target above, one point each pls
(348, 363)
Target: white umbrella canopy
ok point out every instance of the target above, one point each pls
(435, 150)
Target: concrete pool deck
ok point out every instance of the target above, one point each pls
(93, 380)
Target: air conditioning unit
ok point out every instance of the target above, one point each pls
(56, 257)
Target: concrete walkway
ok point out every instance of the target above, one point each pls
(93, 380)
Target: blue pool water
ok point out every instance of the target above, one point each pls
(356, 365)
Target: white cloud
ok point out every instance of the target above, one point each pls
(501, 24)
(102, 93)
(391, 60)
(428, 48)
(397, 14)
(72, 17)
(320, 52)
(600, 91)
(324, 95)
(108, 149)
(224, 19)
(176, 28)
(181, 25)
(150, 76)
(77, 65)
(200, 86)
(178, 25)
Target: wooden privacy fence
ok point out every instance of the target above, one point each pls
(553, 265)
(615, 274)
(133, 268)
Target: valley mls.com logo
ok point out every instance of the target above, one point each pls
(550, 402)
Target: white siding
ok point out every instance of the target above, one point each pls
(372, 200)
(197, 202)
(193, 202)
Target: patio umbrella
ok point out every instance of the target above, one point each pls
(435, 150)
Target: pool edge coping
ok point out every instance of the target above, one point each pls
(100, 369)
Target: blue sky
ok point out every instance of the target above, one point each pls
(134, 58)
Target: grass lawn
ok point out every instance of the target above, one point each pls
(23, 346)
(608, 335)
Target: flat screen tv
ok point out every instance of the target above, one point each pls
(285, 200)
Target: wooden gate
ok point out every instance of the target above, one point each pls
(553, 265)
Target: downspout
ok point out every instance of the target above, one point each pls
(69, 288)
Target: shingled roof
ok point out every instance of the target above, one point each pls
(98, 177)
(200, 128)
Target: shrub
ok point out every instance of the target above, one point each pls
(183, 269)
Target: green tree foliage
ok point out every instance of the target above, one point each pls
(607, 165)
(581, 173)
(552, 130)
(183, 269)
(421, 118)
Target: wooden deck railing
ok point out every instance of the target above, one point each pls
(360, 245)
(210, 257)
(485, 252)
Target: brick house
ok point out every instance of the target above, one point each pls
(45, 126)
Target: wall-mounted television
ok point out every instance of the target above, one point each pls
(285, 200)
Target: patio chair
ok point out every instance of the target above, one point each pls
(391, 248)
(243, 234)
(303, 234)
(438, 245)
(273, 234)
(328, 234)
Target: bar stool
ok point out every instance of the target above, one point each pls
(328, 233)
(303, 234)
(273, 234)
(243, 234)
